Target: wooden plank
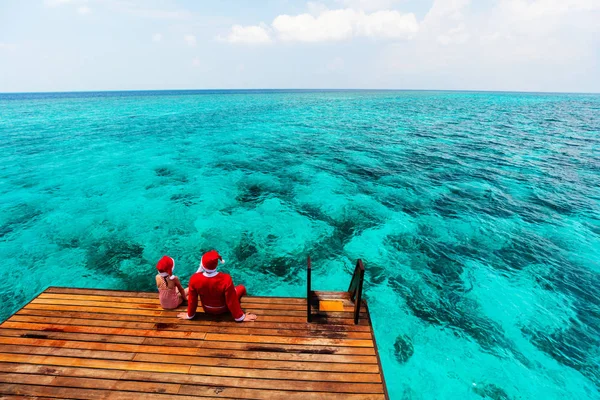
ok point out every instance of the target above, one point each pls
(247, 301)
(88, 394)
(156, 313)
(74, 336)
(276, 384)
(238, 387)
(283, 348)
(23, 378)
(90, 383)
(177, 326)
(153, 295)
(288, 340)
(62, 371)
(237, 393)
(41, 350)
(100, 292)
(259, 364)
(254, 308)
(107, 299)
(261, 347)
(187, 351)
(213, 370)
(289, 375)
(208, 367)
(93, 363)
(101, 330)
(197, 322)
(121, 385)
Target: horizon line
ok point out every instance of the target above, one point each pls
(294, 89)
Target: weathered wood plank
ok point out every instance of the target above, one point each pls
(258, 364)
(148, 364)
(93, 363)
(238, 387)
(88, 394)
(237, 393)
(273, 347)
(153, 295)
(24, 333)
(89, 383)
(173, 313)
(247, 301)
(62, 371)
(254, 308)
(105, 331)
(189, 351)
(241, 329)
(277, 384)
(287, 340)
(197, 322)
(41, 350)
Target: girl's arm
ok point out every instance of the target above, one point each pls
(180, 288)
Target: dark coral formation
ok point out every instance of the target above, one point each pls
(490, 391)
(403, 348)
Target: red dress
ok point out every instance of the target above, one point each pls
(217, 294)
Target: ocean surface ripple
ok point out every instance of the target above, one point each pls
(477, 216)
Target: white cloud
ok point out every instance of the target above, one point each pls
(315, 7)
(368, 5)
(190, 40)
(157, 37)
(196, 62)
(528, 9)
(455, 35)
(444, 12)
(335, 25)
(253, 34)
(328, 25)
(84, 10)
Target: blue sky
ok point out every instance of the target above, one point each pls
(524, 45)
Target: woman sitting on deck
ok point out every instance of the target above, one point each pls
(170, 291)
(216, 290)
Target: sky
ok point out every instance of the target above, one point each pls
(512, 45)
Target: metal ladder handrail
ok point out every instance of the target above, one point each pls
(355, 288)
(308, 291)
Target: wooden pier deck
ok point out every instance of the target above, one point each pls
(101, 344)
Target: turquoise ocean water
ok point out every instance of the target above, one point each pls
(477, 216)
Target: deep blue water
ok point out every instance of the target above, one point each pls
(477, 215)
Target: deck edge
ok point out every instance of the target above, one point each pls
(385, 391)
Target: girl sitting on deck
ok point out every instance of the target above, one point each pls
(170, 291)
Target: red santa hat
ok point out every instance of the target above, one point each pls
(165, 267)
(210, 261)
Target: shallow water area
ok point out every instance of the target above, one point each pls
(477, 216)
